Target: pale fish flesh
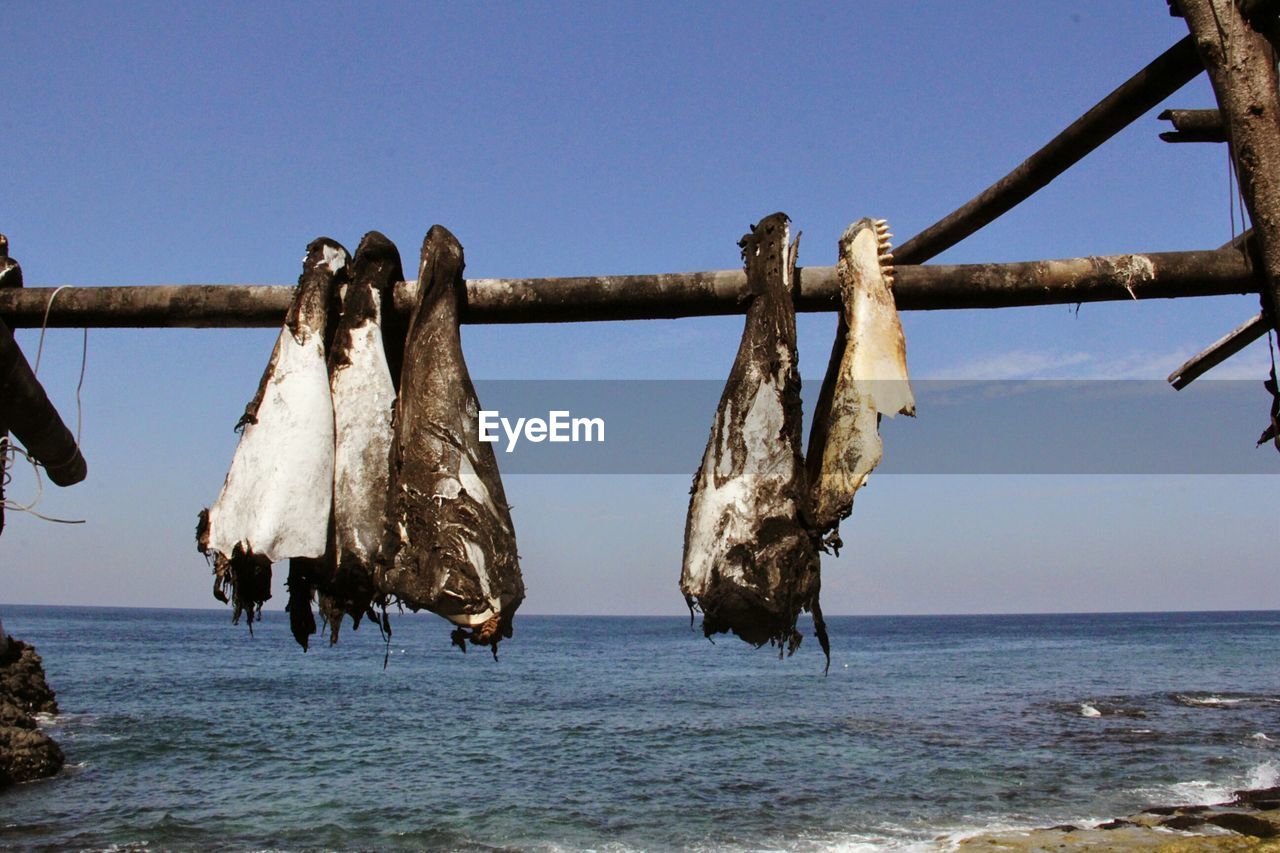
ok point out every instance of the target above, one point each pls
(868, 380)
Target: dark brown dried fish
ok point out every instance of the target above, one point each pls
(751, 562)
(450, 547)
(364, 397)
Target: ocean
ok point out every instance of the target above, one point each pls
(182, 731)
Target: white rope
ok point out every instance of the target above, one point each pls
(8, 452)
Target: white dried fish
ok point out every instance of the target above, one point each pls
(868, 380)
(364, 397)
(276, 501)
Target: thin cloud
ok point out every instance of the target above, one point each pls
(1253, 363)
(1016, 364)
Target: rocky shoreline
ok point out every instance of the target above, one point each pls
(26, 753)
(1250, 821)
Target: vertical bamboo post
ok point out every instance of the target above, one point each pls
(1241, 67)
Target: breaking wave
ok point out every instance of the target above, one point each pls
(1203, 792)
(1213, 700)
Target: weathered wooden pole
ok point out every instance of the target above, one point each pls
(664, 296)
(1193, 126)
(1218, 352)
(25, 411)
(1242, 69)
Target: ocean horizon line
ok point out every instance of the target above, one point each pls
(684, 616)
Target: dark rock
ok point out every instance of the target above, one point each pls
(12, 715)
(1175, 810)
(1250, 819)
(1255, 796)
(1245, 824)
(22, 679)
(28, 754)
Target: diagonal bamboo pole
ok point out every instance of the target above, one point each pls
(1218, 352)
(1166, 74)
(26, 411)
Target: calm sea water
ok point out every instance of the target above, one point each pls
(183, 731)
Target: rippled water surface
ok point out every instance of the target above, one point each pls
(182, 731)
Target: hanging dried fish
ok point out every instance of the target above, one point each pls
(867, 377)
(751, 563)
(276, 501)
(450, 547)
(364, 398)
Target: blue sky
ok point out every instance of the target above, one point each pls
(154, 143)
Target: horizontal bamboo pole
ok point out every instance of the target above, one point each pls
(645, 297)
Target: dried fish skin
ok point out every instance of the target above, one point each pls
(241, 580)
(451, 546)
(364, 396)
(301, 587)
(751, 563)
(869, 381)
(276, 501)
